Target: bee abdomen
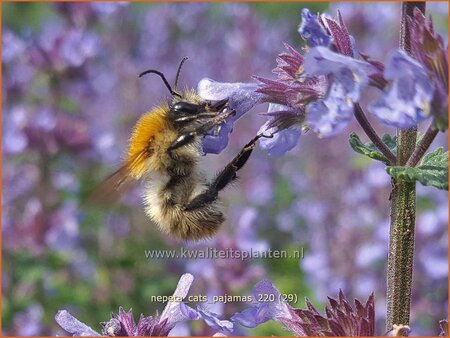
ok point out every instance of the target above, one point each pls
(165, 202)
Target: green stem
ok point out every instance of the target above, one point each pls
(403, 213)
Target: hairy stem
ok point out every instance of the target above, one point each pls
(403, 212)
(423, 146)
(373, 136)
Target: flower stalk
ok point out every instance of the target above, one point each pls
(371, 133)
(423, 146)
(403, 211)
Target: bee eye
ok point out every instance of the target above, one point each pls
(187, 108)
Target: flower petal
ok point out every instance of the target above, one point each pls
(283, 126)
(172, 312)
(312, 31)
(263, 311)
(73, 325)
(348, 77)
(328, 117)
(241, 98)
(212, 320)
(215, 143)
(127, 321)
(281, 142)
(322, 61)
(407, 100)
(339, 32)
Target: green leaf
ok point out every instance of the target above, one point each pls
(432, 170)
(370, 150)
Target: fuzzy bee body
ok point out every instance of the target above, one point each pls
(164, 150)
(165, 203)
(173, 178)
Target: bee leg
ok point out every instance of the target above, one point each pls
(226, 176)
(182, 121)
(189, 136)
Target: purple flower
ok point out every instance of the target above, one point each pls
(329, 116)
(288, 96)
(123, 324)
(347, 78)
(284, 127)
(212, 320)
(292, 88)
(342, 41)
(73, 325)
(312, 30)
(341, 319)
(323, 61)
(264, 310)
(289, 65)
(241, 98)
(407, 99)
(320, 30)
(428, 48)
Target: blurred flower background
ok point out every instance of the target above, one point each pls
(70, 98)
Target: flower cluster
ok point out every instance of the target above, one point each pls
(340, 320)
(123, 324)
(319, 89)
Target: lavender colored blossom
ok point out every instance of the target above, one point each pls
(73, 325)
(123, 324)
(284, 136)
(407, 100)
(212, 320)
(241, 98)
(263, 311)
(323, 61)
(312, 30)
(281, 142)
(341, 319)
(329, 116)
(320, 30)
(288, 96)
(292, 88)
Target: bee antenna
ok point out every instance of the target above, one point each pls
(179, 69)
(161, 75)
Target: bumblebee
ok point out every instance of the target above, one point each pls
(164, 150)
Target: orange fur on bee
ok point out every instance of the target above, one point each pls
(140, 146)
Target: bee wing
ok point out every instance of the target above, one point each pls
(110, 190)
